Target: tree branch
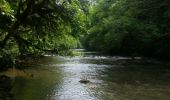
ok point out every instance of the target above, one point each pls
(20, 19)
(28, 43)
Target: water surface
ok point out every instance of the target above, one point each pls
(111, 78)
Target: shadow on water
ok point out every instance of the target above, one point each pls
(109, 78)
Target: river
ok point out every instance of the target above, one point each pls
(111, 78)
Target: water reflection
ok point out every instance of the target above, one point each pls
(111, 78)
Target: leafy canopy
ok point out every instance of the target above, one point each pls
(37, 26)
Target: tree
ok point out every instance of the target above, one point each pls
(38, 26)
(130, 27)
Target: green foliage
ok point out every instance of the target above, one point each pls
(130, 27)
(40, 26)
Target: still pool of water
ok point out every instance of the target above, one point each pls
(111, 78)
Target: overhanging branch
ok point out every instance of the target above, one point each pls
(30, 44)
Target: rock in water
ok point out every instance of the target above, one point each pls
(85, 81)
(5, 88)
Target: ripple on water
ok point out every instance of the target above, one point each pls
(58, 78)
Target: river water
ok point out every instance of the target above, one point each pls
(111, 78)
